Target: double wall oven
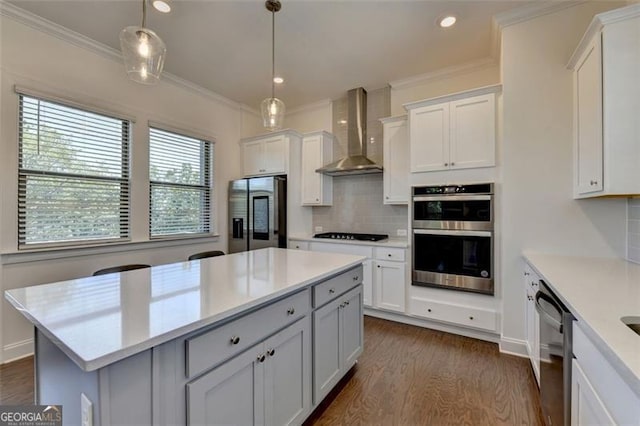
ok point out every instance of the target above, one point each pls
(453, 237)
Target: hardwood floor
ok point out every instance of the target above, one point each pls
(16, 382)
(406, 376)
(414, 376)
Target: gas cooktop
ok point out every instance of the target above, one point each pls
(351, 236)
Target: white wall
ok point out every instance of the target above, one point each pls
(538, 210)
(309, 118)
(35, 59)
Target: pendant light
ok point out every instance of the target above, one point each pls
(273, 108)
(143, 52)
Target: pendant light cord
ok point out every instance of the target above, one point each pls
(273, 53)
(144, 13)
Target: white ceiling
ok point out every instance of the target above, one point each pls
(323, 48)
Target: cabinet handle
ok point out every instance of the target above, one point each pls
(271, 352)
(291, 311)
(533, 283)
(346, 303)
(356, 278)
(342, 305)
(428, 310)
(453, 164)
(593, 182)
(446, 164)
(297, 247)
(332, 290)
(378, 266)
(387, 197)
(526, 274)
(389, 255)
(235, 340)
(261, 358)
(317, 199)
(471, 318)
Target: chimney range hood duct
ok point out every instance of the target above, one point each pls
(356, 161)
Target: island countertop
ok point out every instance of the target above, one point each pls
(599, 291)
(97, 321)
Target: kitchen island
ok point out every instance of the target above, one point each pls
(226, 340)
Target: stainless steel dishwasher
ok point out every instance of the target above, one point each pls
(556, 353)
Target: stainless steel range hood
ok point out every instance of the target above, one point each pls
(356, 161)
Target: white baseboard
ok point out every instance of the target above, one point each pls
(434, 325)
(513, 347)
(15, 351)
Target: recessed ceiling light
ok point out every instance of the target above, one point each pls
(278, 80)
(447, 21)
(162, 6)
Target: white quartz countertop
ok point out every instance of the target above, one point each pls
(389, 242)
(599, 291)
(99, 320)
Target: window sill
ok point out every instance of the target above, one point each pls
(35, 255)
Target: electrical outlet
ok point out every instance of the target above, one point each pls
(401, 232)
(318, 228)
(86, 411)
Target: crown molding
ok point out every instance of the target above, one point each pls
(531, 11)
(50, 28)
(444, 73)
(315, 105)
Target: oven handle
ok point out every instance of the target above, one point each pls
(557, 325)
(453, 233)
(452, 198)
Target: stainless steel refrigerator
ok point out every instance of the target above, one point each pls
(257, 213)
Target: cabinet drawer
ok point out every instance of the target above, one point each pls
(397, 254)
(347, 248)
(212, 347)
(466, 316)
(333, 287)
(298, 245)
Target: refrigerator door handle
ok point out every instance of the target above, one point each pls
(238, 227)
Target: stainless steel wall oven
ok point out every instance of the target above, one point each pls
(453, 237)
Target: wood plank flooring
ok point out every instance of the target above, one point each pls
(406, 376)
(415, 376)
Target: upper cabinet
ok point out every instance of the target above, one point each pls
(395, 146)
(317, 150)
(606, 102)
(267, 154)
(453, 132)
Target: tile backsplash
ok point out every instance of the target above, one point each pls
(633, 228)
(358, 200)
(357, 207)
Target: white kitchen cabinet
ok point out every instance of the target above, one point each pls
(390, 285)
(337, 340)
(586, 406)
(298, 245)
(267, 154)
(367, 283)
(532, 320)
(317, 150)
(395, 148)
(461, 315)
(453, 132)
(606, 106)
(268, 384)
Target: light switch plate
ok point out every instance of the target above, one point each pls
(86, 410)
(401, 232)
(318, 228)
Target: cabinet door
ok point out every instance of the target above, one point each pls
(473, 138)
(352, 327)
(326, 349)
(367, 283)
(586, 406)
(232, 394)
(396, 163)
(252, 153)
(288, 375)
(429, 138)
(390, 285)
(274, 157)
(588, 120)
(311, 160)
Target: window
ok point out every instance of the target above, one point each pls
(180, 184)
(73, 175)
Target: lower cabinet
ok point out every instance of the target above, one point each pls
(586, 406)
(532, 319)
(337, 340)
(268, 384)
(390, 285)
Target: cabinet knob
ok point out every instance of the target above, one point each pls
(387, 197)
(471, 318)
(342, 305)
(378, 266)
(356, 278)
(453, 164)
(389, 255)
(317, 199)
(446, 164)
(526, 274)
(297, 247)
(261, 358)
(534, 283)
(332, 290)
(429, 310)
(271, 352)
(291, 311)
(235, 340)
(346, 303)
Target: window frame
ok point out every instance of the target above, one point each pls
(207, 156)
(24, 173)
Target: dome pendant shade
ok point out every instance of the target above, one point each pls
(143, 53)
(273, 110)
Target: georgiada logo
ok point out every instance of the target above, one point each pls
(31, 415)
